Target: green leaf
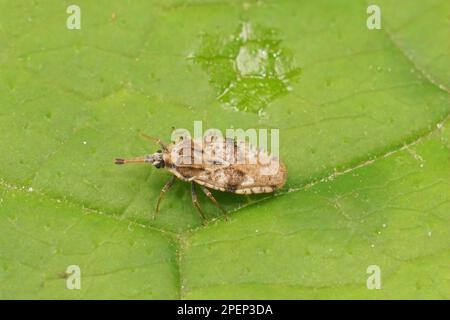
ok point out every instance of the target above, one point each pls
(364, 132)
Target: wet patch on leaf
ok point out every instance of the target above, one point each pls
(249, 68)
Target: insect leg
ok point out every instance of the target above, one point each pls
(195, 201)
(211, 197)
(166, 187)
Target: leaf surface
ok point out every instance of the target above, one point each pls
(363, 120)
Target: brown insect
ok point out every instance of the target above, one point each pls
(220, 164)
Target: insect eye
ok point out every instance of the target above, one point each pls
(159, 165)
(158, 151)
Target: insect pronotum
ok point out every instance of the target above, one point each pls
(220, 164)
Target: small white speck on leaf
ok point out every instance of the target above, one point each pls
(30, 189)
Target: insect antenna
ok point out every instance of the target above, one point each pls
(134, 160)
(155, 140)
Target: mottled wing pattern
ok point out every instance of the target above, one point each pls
(226, 165)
